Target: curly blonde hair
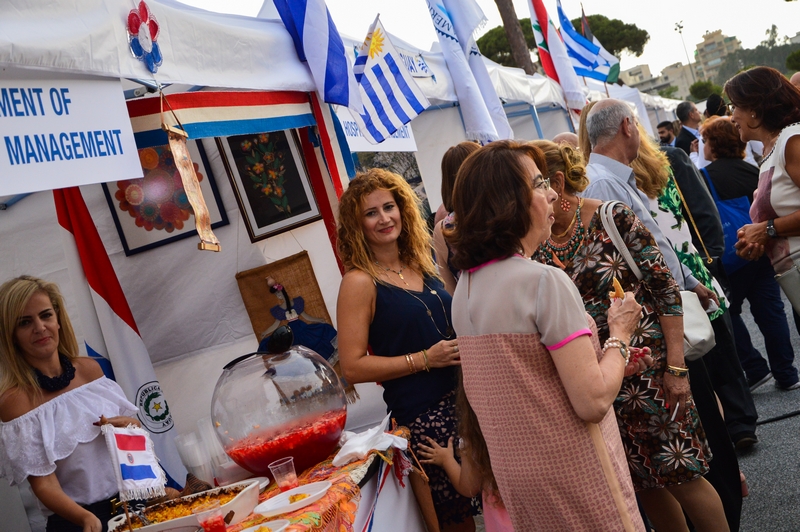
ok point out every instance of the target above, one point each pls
(567, 160)
(414, 242)
(15, 372)
(651, 167)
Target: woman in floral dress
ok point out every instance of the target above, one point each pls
(666, 448)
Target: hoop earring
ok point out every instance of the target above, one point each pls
(565, 205)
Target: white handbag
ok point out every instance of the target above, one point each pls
(698, 334)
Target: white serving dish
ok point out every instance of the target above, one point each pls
(279, 504)
(242, 505)
(275, 526)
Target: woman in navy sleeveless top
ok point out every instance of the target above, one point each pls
(392, 301)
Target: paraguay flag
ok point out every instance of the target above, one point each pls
(390, 96)
(319, 44)
(136, 466)
(110, 331)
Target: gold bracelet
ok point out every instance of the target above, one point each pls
(413, 364)
(677, 372)
(425, 358)
(410, 367)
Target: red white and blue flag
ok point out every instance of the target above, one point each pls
(110, 331)
(136, 466)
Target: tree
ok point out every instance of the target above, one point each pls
(494, 44)
(793, 61)
(519, 47)
(742, 59)
(703, 89)
(615, 35)
(668, 92)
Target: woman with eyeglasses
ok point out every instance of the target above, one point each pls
(766, 107)
(533, 371)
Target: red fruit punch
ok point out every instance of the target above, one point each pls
(308, 444)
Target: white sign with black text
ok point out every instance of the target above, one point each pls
(57, 133)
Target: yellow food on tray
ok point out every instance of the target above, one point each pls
(618, 292)
(182, 507)
(263, 529)
(298, 497)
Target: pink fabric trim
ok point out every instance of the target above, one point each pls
(479, 266)
(568, 339)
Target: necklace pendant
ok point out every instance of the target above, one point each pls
(429, 313)
(401, 275)
(433, 292)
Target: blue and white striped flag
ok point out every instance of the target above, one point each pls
(585, 55)
(390, 96)
(318, 43)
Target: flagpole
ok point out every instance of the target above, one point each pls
(606, 86)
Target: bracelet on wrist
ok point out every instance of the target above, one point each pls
(411, 367)
(614, 342)
(676, 371)
(425, 359)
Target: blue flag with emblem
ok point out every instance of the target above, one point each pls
(588, 58)
(389, 94)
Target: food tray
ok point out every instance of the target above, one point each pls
(241, 506)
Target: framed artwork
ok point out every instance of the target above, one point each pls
(270, 180)
(154, 210)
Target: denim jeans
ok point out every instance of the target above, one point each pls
(756, 282)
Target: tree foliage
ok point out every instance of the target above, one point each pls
(668, 92)
(494, 43)
(793, 61)
(761, 55)
(703, 89)
(615, 35)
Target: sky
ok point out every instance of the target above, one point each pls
(409, 20)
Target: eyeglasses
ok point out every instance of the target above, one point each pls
(541, 184)
(730, 107)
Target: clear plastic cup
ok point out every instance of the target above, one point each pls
(284, 473)
(210, 517)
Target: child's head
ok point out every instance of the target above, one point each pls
(470, 432)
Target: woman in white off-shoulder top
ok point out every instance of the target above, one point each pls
(51, 404)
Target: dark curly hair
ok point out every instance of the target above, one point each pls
(767, 94)
(722, 137)
(451, 162)
(491, 201)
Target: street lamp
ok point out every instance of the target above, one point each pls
(679, 29)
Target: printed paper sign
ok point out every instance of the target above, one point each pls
(57, 133)
(401, 140)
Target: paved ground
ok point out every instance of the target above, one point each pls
(772, 467)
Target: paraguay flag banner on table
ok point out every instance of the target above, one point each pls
(135, 464)
(110, 331)
(390, 96)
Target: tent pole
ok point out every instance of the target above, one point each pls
(536, 122)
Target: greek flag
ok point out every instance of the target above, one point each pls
(318, 43)
(585, 55)
(389, 94)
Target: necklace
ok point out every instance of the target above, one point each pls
(449, 330)
(398, 272)
(566, 251)
(59, 382)
(775, 143)
(571, 223)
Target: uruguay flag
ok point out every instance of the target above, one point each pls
(318, 43)
(390, 96)
(110, 331)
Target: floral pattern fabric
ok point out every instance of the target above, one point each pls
(667, 213)
(660, 452)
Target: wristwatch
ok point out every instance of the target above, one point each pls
(771, 232)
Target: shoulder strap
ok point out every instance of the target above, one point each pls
(710, 185)
(709, 260)
(607, 218)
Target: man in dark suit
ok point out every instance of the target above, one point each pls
(689, 117)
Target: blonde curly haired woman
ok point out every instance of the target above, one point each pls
(392, 302)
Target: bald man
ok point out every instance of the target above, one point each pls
(795, 79)
(568, 138)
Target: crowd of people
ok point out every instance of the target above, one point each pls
(525, 375)
(534, 343)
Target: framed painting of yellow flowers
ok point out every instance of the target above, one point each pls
(154, 210)
(270, 181)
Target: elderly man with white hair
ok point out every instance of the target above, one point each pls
(615, 144)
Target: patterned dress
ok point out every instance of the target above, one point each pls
(660, 452)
